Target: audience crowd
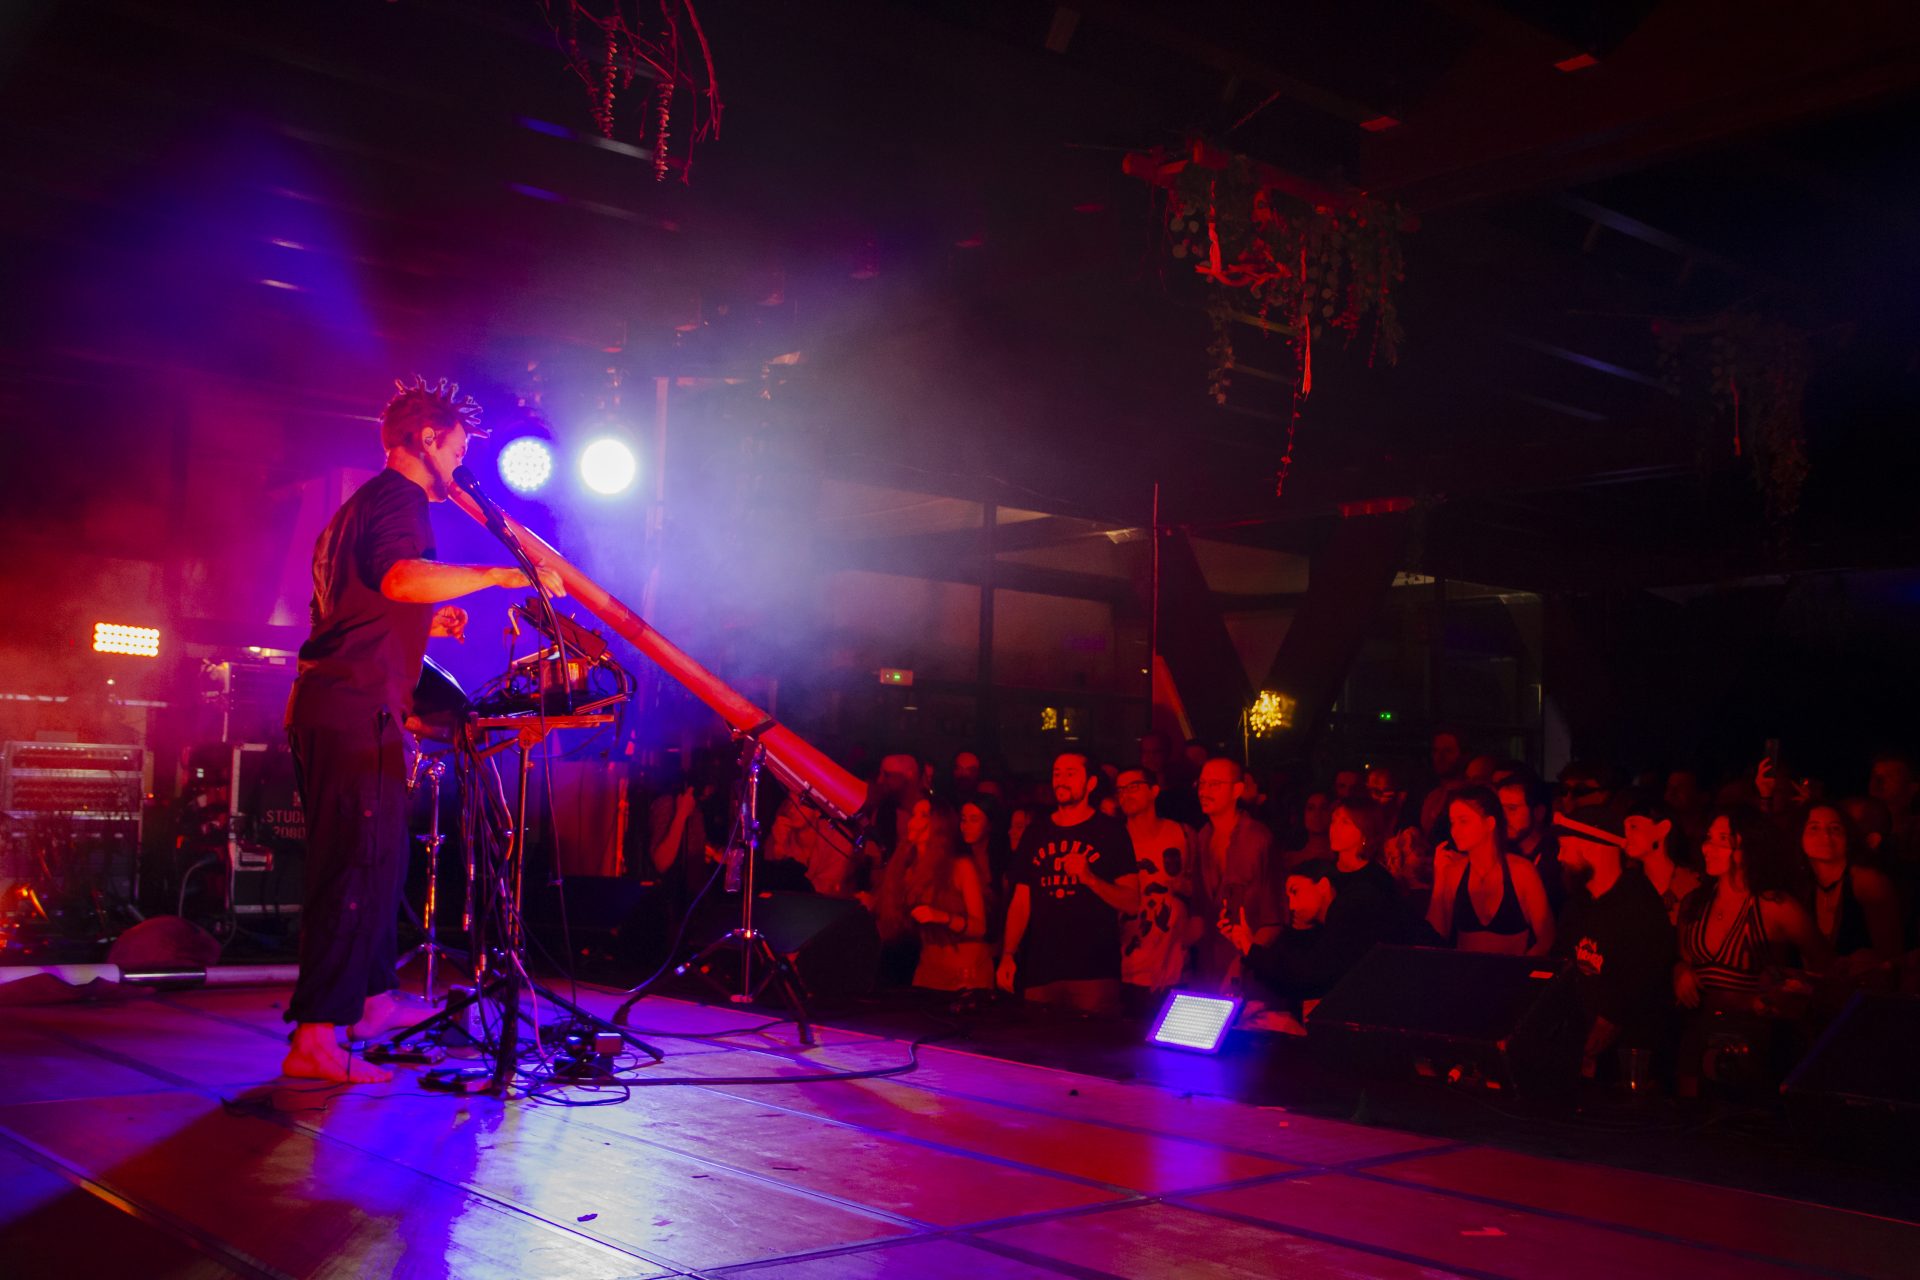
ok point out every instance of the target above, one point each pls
(1710, 931)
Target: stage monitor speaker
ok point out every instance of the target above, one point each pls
(831, 942)
(615, 927)
(1858, 1084)
(1511, 1023)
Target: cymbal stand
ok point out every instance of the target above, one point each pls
(435, 769)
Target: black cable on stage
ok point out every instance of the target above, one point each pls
(544, 1093)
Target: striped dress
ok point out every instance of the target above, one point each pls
(1737, 964)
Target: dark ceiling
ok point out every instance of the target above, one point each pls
(925, 202)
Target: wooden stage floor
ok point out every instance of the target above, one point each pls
(149, 1137)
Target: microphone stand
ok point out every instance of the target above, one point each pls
(752, 944)
(497, 525)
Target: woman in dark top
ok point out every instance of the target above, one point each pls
(1663, 854)
(1854, 907)
(1356, 831)
(1486, 898)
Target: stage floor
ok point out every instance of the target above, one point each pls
(150, 1137)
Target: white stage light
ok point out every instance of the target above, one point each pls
(526, 464)
(1191, 1020)
(140, 642)
(608, 466)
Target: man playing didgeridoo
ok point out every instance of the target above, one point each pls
(376, 586)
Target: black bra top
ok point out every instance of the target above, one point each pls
(1508, 921)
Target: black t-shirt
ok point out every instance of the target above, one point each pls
(365, 650)
(1305, 964)
(1371, 880)
(1622, 948)
(1071, 934)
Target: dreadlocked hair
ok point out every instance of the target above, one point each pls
(418, 406)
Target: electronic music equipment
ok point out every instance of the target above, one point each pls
(249, 692)
(535, 684)
(85, 781)
(72, 812)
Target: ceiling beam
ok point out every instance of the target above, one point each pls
(1695, 72)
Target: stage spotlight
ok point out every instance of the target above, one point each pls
(1192, 1020)
(140, 642)
(526, 464)
(607, 466)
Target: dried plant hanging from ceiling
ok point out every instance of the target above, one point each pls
(1276, 252)
(647, 69)
(1754, 370)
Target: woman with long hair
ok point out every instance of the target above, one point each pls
(1733, 932)
(1737, 925)
(945, 899)
(1486, 897)
(1854, 906)
(981, 838)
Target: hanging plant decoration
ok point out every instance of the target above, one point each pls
(1754, 371)
(1272, 251)
(614, 44)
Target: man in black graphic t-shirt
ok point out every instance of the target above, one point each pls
(1074, 878)
(375, 587)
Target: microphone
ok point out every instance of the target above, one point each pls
(463, 476)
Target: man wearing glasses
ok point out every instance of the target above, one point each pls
(1154, 939)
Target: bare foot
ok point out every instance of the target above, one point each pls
(386, 1012)
(315, 1055)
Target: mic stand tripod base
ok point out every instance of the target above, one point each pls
(754, 950)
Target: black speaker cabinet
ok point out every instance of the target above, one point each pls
(1858, 1084)
(1511, 1023)
(831, 943)
(613, 927)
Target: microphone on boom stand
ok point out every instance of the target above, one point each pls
(497, 523)
(496, 518)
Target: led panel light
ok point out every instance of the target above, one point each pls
(1195, 1021)
(138, 642)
